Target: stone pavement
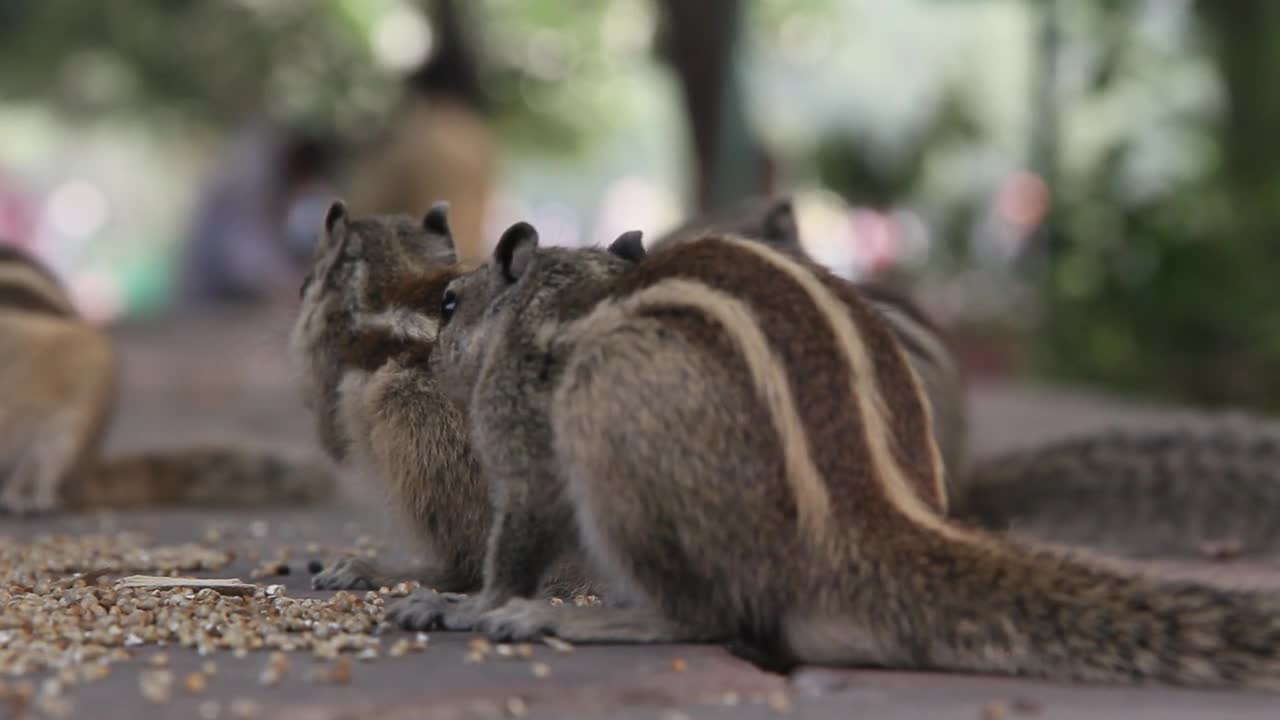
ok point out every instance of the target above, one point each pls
(188, 380)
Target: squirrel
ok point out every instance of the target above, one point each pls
(416, 443)
(370, 306)
(740, 443)
(58, 378)
(1209, 478)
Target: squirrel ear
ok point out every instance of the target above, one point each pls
(629, 246)
(337, 211)
(779, 224)
(436, 223)
(437, 219)
(514, 253)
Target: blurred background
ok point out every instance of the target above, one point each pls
(1083, 191)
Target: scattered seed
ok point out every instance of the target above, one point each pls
(156, 685)
(1024, 706)
(339, 673)
(55, 616)
(55, 706)
(994, 711)
(779, 702)
(679, 665)
(517, 707)
(244, 709)
(195, 683)
(541, 670)
(209, 710)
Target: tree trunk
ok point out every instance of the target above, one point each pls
(1246, 35)
(701, 46)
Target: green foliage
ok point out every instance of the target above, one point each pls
(205, 62)
(1171, 293)
(311, 63)
(1172, 297)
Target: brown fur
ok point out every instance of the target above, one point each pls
(1201, 482)
(637, 419)
(58, 391)
(362, 338)
(772, 221)
(1159, 491)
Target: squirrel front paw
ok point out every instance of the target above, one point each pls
(519, 620)
(430, 610)
(347, 573)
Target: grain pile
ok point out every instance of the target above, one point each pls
(65, 610)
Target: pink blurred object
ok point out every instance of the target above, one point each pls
(18, 214)
(878, 240)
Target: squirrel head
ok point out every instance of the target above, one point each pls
(370, 277)
(516, 297)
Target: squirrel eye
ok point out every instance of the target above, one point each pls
(448, 305)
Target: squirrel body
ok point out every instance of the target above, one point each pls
(378, 402)
(58, 378)
(362, 338)
(1205, 480)
(741, 445)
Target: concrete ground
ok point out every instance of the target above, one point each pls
(224, 376)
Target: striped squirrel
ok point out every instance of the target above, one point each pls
(58, 389)
(746, 455)
(1210, 477)
(366, 325)
(415, 443)
(772, 220)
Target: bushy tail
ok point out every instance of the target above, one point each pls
(1008, 609)
(1208, 487)
(204, 477)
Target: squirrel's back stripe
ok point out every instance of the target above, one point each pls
(29, 286)
(898, 433)
(837, 426)
(768, 374)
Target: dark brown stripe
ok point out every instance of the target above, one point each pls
(11, 254)
(23, 298)
(909, 426)
(32, 299)
(371, 348)
(803, 340)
